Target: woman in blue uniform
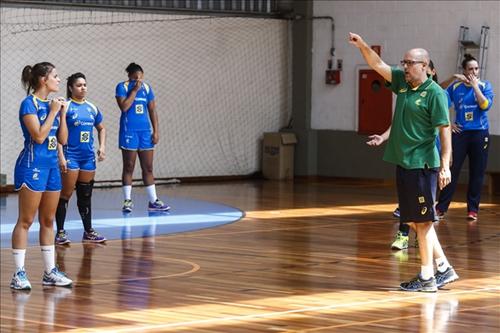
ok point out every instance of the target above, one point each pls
(472, 98)
(138, 134)
(36, 176)
(77, 158)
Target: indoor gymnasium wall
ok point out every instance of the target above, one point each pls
(220, 82)
(397, 27)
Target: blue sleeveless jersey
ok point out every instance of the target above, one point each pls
(36, 155)
(136, 118)
(81, 119)
(468, 113)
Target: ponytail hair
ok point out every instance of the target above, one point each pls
(431, 66)
(71, 80)
(31, 76)
(467, 58)
(132, 68)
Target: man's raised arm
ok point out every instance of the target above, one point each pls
(371, 57)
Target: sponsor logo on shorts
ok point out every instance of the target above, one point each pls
(421, 200)
(423, 210)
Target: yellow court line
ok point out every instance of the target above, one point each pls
(195, 268)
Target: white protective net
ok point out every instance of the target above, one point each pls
(220, 82)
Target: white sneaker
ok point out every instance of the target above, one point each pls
(56, 278)
(20, 280)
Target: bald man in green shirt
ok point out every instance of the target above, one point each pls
(421, 114)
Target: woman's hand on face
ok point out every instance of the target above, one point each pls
(473, 80)
(138, 84)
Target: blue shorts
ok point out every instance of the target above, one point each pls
(136, 140)
(417, 194)
(85, 165)
(37, 179)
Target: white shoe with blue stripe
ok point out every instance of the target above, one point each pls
(20, 280)
(56, 278)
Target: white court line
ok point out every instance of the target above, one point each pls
(283, 313)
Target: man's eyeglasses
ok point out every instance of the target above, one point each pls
(410, 62)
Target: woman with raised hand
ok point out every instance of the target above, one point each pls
(37, 177)
(138, 135)
(472, 98)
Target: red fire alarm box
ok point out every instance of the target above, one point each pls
(332, 76)
(377, 49)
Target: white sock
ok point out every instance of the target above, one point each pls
(48, 256)
(426, 272)
(151, 189)
(127, 192)
(19, 255)
(442, 264)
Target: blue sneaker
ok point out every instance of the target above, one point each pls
(56, 278)
(448, 276)
(158, 205)
(62, 238)
(93, 237)
(419, 284)
(396, 213)
(20, 280)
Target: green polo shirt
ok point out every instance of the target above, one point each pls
(412, 142)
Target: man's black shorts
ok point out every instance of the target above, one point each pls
(417, 194)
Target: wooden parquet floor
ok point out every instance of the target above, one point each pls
(309, 256)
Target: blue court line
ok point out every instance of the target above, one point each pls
(186, 215)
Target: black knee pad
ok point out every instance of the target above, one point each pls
(84, 202)
(84, 192)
